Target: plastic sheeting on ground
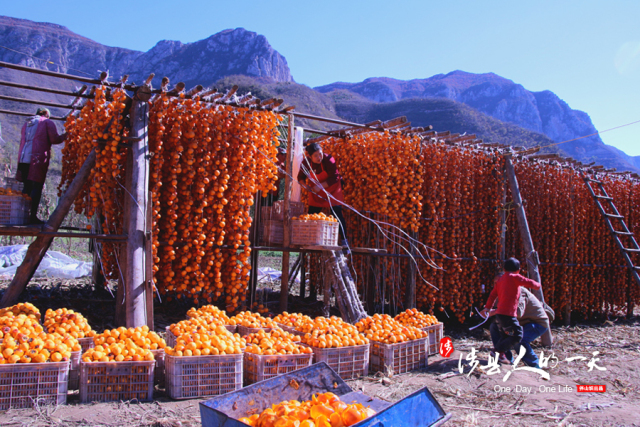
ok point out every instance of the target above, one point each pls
(54, 264)
(270, 274)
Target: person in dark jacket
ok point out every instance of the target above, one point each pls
(319, 173)
(39, 133)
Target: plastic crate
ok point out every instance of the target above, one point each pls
(348, 362)
(276, 212)
(14, 210)
(314, 233)
(74, 370)
(188, 377)
(13, 184)
(259, 367)
(245, 330)
(158, 372)
(290, 329)
(400, 357)
(272, 232)
(86, 343)
(25, 383)
(171, 340)
(436, 332)
(116, 381)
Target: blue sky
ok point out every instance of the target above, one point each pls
(587, 52)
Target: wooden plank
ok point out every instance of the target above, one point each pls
(20, 230)
(288, 186)
(40, 245)
(148, 258)
(531, 255)
(135, 279)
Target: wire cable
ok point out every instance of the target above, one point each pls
(45, 60)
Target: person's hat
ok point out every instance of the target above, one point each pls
(43, 111)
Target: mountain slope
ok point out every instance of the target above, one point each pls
(542, 112)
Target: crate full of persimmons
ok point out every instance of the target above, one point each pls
(314, 230)
(204, 363)
(121, 366)
(395, 348)
(34, 365)
(338, 344)
(428, 323)
(273, 353)
(14, 207)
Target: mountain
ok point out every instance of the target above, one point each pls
(541, 112)
(203, 62)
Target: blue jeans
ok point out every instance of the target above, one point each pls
(530, 332)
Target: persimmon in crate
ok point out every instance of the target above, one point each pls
(116, 381)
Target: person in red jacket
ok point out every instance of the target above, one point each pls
(38, 134)
(507, 291)
(319, 173)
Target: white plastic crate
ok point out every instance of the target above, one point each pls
(436, 332)
(314, 233)
(116, 381)
(171, 340)
(348, 362)
(158, 372)
(399, 358)
(245, 330)
(276, 212)
(13, 184)
(272, 232)
(86, 343)
(259, 367)
(188, 377)
(14, 210)
(74, 370)
(23, 384)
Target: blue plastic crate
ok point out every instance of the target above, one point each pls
(418, 409)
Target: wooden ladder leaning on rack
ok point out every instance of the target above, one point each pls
(618, 233)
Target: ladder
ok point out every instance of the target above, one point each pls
(622, 231)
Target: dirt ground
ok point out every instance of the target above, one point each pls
(479, 398)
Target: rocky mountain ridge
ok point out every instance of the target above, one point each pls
(542, 112)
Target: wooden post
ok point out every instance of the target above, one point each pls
(410, 291)
(288, 185)
(254, 236)
(40, 245)
(503, 221)
(531, 255)
(136, 202)
(148, 258)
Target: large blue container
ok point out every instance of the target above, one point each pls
(418, 409)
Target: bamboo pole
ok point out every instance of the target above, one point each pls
(40, 245)
(288, 185)
(136, 201)
(531, 255)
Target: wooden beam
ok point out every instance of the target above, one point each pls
(40, 245)
(288, 186)
(43, 89)
(531, 255)
(136, 201)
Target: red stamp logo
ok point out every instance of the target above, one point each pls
(446, 347)
(592, 388)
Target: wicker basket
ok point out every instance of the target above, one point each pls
(116, 381)
(348, 362)
(74, 370)
(201, 376)
(14, 210)
(436, 332)
(400, 357)
(25, 383)
(314, 233)
(259, 367)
